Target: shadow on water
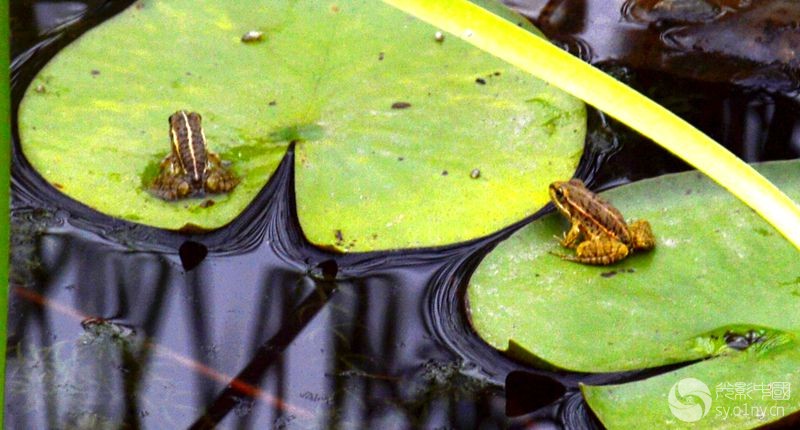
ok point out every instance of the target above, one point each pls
(119, 325)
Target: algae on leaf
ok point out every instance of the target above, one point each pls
(389, 123)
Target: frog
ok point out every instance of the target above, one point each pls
(598, 233)
(191, 169)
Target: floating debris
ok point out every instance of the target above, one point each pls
(439, 36)
(401, 105)
(475, 174)
(253, 36)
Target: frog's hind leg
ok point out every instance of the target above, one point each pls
(599, 252)
(642, 235)
(169, 187)
(221, 180)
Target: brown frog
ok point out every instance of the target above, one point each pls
(190, 170)
(607, 238)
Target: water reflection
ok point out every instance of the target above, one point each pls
(110, 337)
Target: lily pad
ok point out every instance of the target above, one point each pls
(717, 268)
(739, 391)
(403, 140)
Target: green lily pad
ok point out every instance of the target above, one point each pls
(717, 267)
(738, 391)
(402, 140)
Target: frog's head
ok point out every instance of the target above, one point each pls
(563, 194)
(558, 194)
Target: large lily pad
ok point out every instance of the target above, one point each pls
(390, 123)
(738, 391)
(717, 267)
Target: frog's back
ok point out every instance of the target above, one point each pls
(603, 219)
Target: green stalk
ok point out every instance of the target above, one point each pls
(551, 64)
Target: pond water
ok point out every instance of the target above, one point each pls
(116, 325)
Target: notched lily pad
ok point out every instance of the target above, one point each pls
(743, 390)
(327, 77)
(717, 268)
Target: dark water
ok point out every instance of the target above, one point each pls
(116, 325)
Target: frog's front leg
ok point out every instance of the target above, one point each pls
(571, 237)
(600, 251)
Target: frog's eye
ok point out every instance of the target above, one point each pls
(559, 192)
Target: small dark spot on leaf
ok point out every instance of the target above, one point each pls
(630, 270)
(444, 172)
(57, 185)
(762, 231)
(339, 235)
(139, 5)
(207, 203)
(192, 254)
(401, 105)
(95, 72)
(496, 73)
(40, 88)
(480, 81)
(380, 56)
(335, 8)
(400, 158)
(188, 73)
(475, 174)
(608, 274)
(272, 103)
(374, 236)
(687, 192)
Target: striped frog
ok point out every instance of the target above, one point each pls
(607, 238)
(190, 170)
